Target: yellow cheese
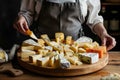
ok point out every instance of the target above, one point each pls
(59, 36)
(56, 46)
(74, 47)
(43, 61)
(42, 52)
(2, 54)
(51, 62)
(49, 48)
(73, 60)
(30, 42)
(69, 53)
(31, 34)
(33, 58)
(69, 40)
(27, 48)
(26, 53)
(81, 50)
(46, 39)
(41, 42)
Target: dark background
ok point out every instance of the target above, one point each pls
(8, 13)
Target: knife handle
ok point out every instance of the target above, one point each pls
(15, 72)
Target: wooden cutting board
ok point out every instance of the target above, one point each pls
(72, 71)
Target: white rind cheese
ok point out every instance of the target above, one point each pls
(89, 57)
(63, 62)
(42, 61)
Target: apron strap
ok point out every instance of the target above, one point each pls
(81, 32)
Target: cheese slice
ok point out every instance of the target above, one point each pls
(50, 48)
(73, 59)
(74, 47)
(27, 48)
(89, 57)
(46, 39)
(43, 61)
(2, 54)
(41, 42)
(30, 42)
(84, 39)
(33, 58)
(26, 53)
(31, 34)
(63, 62)
(51, 62)
(56, 46)
(59, 36)
(42, 52)
(69, 40)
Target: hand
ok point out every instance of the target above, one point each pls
(21, 25)
(108, 41)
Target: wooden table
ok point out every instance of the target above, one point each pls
(112, 67)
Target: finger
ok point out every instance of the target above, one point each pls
(20, 28)
(104, 41)
(112, 44)
(25, 25)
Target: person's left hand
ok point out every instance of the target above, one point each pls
(108, 41)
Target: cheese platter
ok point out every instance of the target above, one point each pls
(62, 57)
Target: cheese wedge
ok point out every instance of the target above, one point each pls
(27, 48)
(43, 61)
(63, 62)
(59, 36)
(49, 48)
(51, 62)
(33, 58)
(73, 60)
(46, 39)
(56, 46)
(101, 50)
(41, 42)
(74, 48)
(31, 34)
(81, 50)
(84, 39)
(2, 54)
(26, 53)
(69, 53)
(89, 58)
(42, 52)
(30, 42)
(69, 40)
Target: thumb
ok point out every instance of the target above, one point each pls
(25, 25)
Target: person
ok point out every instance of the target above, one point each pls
(65, 16)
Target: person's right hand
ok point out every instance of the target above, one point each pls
(21, 25)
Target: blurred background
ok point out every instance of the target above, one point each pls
(9, 9)
(8, 12)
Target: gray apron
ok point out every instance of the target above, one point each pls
(60, 17)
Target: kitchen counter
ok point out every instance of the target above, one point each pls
(112, 67)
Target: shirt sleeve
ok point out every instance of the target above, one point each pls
(27, 10)
(93, 16)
